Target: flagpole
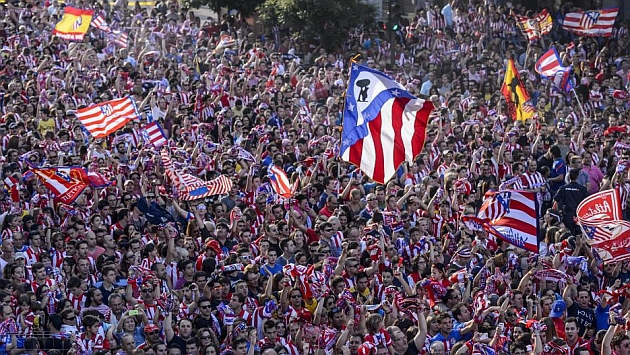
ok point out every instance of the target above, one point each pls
(579, 102)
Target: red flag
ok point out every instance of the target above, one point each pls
(611, 239)
(65, 188)
(602, 206)
(12, 186)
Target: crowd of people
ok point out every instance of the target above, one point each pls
(345, 265)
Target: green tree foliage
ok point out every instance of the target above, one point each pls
(245, 7)
(324, 22)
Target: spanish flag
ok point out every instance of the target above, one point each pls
(519, 104)
(74, 24)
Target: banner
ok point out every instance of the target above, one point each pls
(74, 24)
(65, 188)
(601, 206)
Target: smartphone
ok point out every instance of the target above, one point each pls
(134, 312)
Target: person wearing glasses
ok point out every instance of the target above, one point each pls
(152, 336)
(148, 293)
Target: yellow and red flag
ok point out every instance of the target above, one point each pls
(519, 105)
(74, 24)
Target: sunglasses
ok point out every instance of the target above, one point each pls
(147, 290)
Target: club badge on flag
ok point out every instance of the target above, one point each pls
(509, 215)
(91, 178)
(65, 188)
(519, 104)
(383, 124)
(74, 24)
(106, 118)
(154, 135)
(591, 23)
(535, 28)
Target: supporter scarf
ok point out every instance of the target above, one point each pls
(508, 183)
(551, 275)
(551, 348)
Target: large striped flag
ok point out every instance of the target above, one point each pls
(280, 183)
(191, 187)
(519, 104)
(106, 118)
(383, 124)
(549, 63)
(74, 24)
(591, 23)
(65, 188)
(154, 134)
(510, 215)
(534, 28)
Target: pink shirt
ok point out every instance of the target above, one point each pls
(595, 176)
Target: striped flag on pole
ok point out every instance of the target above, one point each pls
(280, 183)
(383, 124)
(154, 134)
(549, 63)
(106, 118)
(591, 23)
(510, 215)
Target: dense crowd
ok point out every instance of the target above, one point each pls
(345, 266)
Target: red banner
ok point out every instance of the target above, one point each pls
(602, 206)
(65, 188)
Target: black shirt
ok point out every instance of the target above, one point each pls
(569, 197)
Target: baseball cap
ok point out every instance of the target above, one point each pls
(557, 309)
(19, 255)
(150, 328)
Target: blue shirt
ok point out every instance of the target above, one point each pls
(273, 270)
(558, 168)
(452, 338)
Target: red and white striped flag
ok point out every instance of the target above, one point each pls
(99, 22)
(192, 188)
(549, 63)
(280, 182)
(121, 39)
(154, 134)
(511, 216)
(383, 126)
(12, 187)
(106, 118)
(591, 23)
